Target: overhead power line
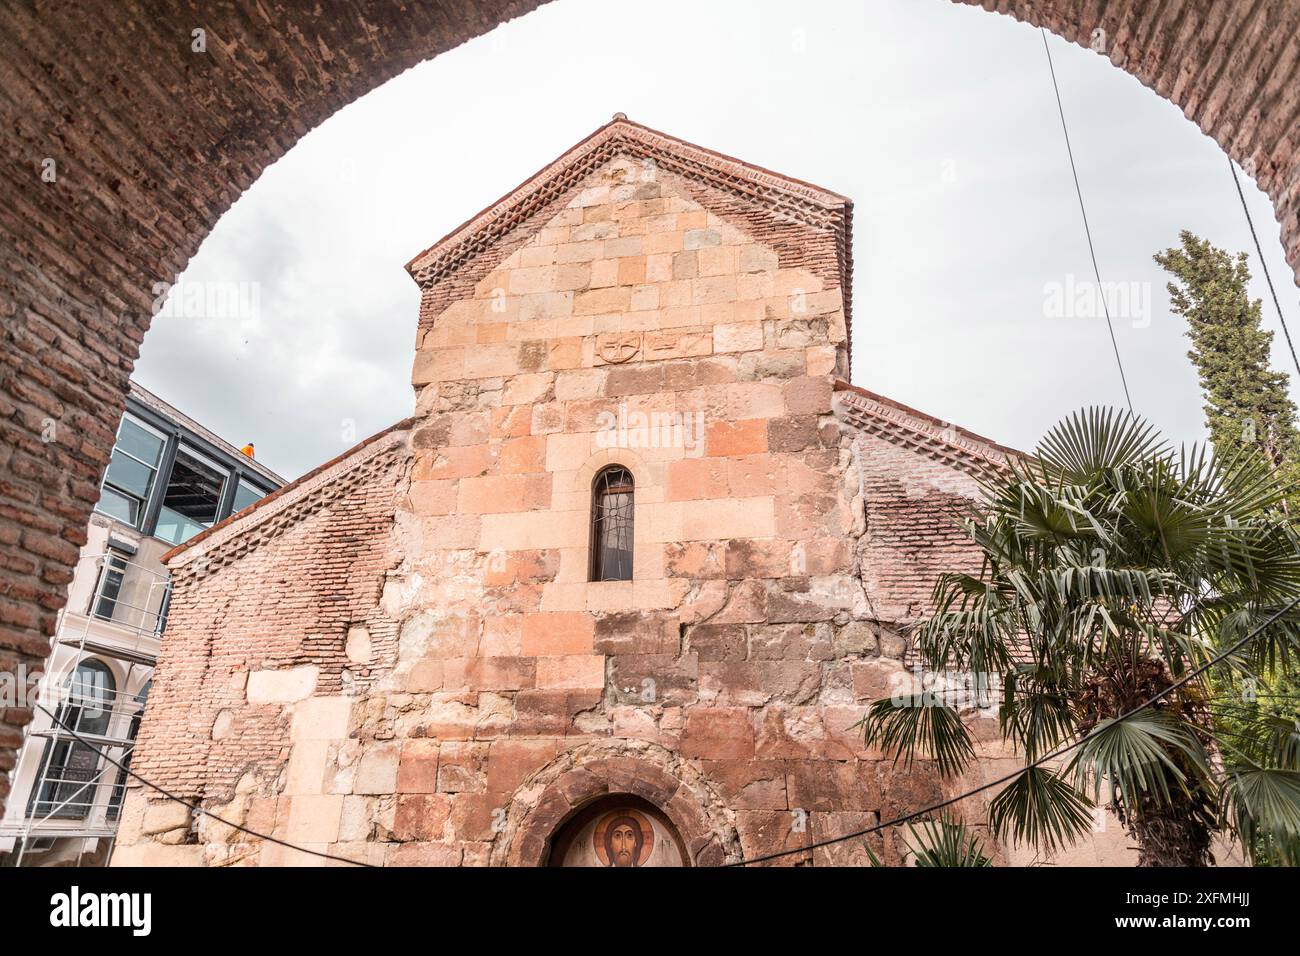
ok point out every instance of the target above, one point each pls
(1086, 231)
(1055, 754)
(1263, 264)
(194, 807)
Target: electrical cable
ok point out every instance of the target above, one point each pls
(1086, 230)
(1264, 265)
(194, 807)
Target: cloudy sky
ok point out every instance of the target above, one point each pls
(938, 120)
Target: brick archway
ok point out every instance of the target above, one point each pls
(149, 142)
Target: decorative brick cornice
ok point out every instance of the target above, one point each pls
(897, 423)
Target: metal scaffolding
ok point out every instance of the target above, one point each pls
(77, 793)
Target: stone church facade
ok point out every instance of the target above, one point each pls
(616, 594)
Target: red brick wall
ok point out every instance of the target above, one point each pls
(282, 596)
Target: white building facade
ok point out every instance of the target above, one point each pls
(169, 479)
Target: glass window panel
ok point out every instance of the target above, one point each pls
(110, 586)
(611, 525)
(122, 507)
(245, 495)
(175, 527)
(70, 781)
(129, 475)
(139, 442)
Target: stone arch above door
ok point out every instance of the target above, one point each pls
(559, 793)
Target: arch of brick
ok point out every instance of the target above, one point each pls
(581, 776)
(150, 143)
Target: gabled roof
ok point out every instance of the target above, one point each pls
(782, 196)
(906, 426)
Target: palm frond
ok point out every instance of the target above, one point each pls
(1134, 754)
(1039, 807)
(1265, 803)
(910, 726)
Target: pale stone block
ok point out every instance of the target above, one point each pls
(128, 855)
(821, 360)
(545, 305)
(525, 330)
(566, 595)
(605, 596)
(659, 594)
(672, 318)
(577, 671)
(573, 276)
(717, 261)
(659, 268)
(713, 289)
(645, 297)
(575, 252)
(282, 686)
(491, 361)
(325, 718)
(746, 400)
(314, 819)
(275, 855)
(728, 518)
(377, 772)
(663, 223)
(156, 854)
(575, 566)
(552, 235)
(161, 817)
(591, 196)
(757, 286)
(659, 522)
(574, 325)
(448, 363)
(787, 282)
(567, 453)
(738, 337)
(599, 229)
(356, 823)
(604, 273)
(531, 530)
(527, 389)
(756, 258)
(307, 762)
(358, 647)
(662, 242)
(600, 301)
(580, 384)
(533, 255)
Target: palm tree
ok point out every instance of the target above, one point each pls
(942, 842)
(1112, 567)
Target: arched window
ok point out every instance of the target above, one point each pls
(70, 781)
(611, 525)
